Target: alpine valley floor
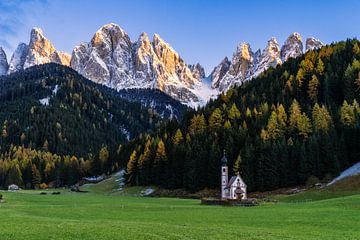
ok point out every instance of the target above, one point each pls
(29, 215)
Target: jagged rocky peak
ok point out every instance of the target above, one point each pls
(64, 58)
(241, 61)
(313, 43)
(3, 62)
(41, 50)
(18, 58)
(144, 55)
(197, 71)
(107, 58)
(292, 48)
(240, 67)
(110, 58)
(219, 72)
(270, 57)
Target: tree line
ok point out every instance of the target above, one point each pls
(295, 122)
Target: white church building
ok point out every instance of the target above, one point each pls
(233, 189)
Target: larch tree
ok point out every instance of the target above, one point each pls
(313, 88)
(234, 112)
(216, 119)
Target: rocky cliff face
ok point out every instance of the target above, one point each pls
(219, 72)
(246, 64)
(292, 48)
(3, 62)
(39, 51)
(313, 43)
(110, 58)
(240, 68)
(197, 71)
(18, 58)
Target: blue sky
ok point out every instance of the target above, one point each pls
(202, 31)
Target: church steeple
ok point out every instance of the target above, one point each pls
(224, 177)
(224, 159)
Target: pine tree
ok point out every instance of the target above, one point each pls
(178, 137)
(216, 119)
(103, 157)
(160, 153)
(347, 114)
(36, 177)
(320, 68)
(274, 130)
(198, 124)
(14, 175)
(295, 113)
(234, 112)
(237, 165)
(321, 118)
(304, 126)
(313, 88)
(131, 169)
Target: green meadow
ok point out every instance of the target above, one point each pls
(29, 215)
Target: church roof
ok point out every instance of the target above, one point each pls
(232, 180)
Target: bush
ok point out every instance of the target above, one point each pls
(327, 178)
(312, 180)
(1, 196)
(43, 186)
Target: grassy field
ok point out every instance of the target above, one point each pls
(29, 215)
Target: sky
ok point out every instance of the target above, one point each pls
(203, 31)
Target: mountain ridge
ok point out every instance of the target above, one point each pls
(111, 58)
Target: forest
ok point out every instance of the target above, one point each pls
(58, 125)
(292, 124)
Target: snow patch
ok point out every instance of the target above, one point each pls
(56, 89)
(45, 101)
(351, 171)
(126, 132)
(147, 192)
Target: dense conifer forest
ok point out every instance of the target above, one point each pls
(292, 124)
(56, 125)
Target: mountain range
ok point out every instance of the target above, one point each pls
(112, 59)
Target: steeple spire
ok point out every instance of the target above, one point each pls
(224, 159)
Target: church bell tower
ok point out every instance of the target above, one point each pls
(224, 177)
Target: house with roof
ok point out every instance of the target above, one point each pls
(233, 189)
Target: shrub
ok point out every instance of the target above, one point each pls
(327, 178)
(312, 180)
(43, 186)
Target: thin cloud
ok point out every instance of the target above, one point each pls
(14, 15)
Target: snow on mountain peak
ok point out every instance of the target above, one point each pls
(292, 48)
(40, 50)
(313, 43)
(246, 65)
(112, 59)
(3, 62)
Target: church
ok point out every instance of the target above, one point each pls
(233, 189)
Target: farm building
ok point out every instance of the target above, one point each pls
(13, 187)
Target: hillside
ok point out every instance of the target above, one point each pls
(292, 122)
(52, 109)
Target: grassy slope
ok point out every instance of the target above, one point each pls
(346, 187)
(97, 216)
(111, 186)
